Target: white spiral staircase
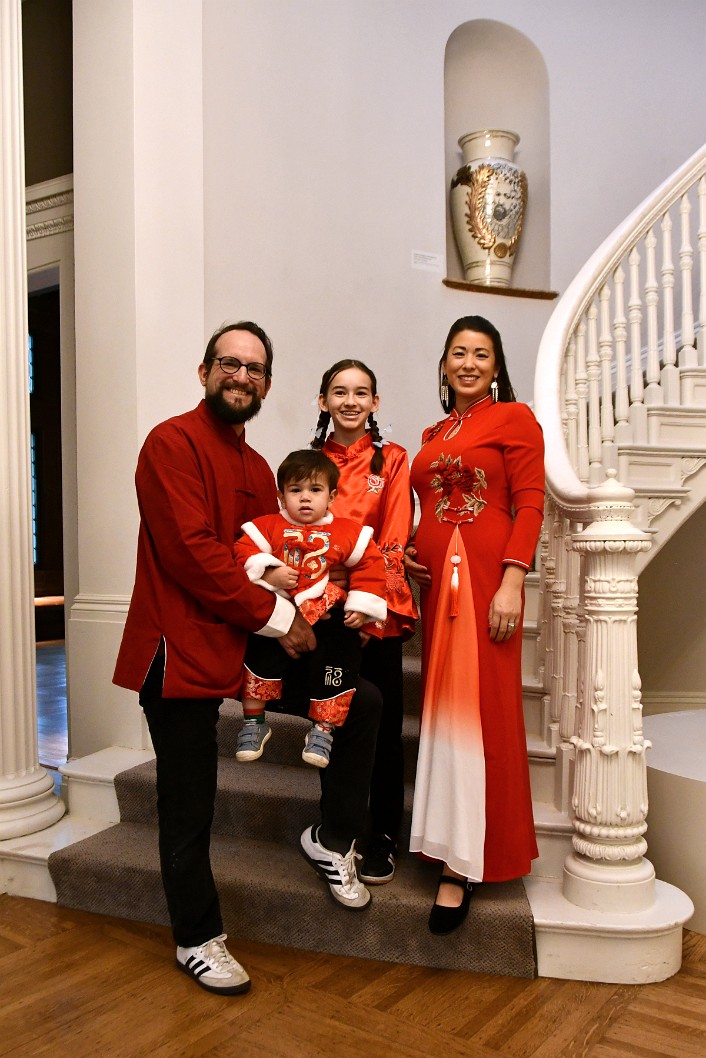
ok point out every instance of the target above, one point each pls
(621, 395)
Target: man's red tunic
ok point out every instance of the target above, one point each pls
(197, 482)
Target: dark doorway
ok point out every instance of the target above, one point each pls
(45, 421)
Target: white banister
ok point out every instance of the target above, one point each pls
(566, 319)
(602, 372)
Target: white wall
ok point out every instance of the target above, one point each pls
(324, 154)
(138, 225)
(672, 622)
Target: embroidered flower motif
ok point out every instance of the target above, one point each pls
(455, 481)
(431, 432)
(394, 567)
(375, 483)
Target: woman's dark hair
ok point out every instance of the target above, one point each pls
(377, 463)
(506, 393)
(305, 464)
(241, 325)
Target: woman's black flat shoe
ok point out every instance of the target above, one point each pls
(444, 920)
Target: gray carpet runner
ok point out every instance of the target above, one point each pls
(268, 891)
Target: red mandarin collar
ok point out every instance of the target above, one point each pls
(225, 430)
(349, 451)
(472, 409)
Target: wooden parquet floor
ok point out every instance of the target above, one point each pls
(75, 985)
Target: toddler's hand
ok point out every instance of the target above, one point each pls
(354, 619)
(281, 577)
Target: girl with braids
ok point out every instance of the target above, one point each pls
(374, 489)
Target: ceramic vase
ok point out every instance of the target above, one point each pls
(488, 197)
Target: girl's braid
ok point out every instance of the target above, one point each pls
(377, 463)
(321, 429)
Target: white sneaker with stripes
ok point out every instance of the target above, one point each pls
(213, 967)
(338, 870)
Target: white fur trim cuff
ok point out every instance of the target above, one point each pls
(280, 620)
(366, 535)
(251, 530)
(256, 565)
(363, 602)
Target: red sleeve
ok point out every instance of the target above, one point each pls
(523, 452)
(366, 588)
(244, 548)
(394, 528)
(180, 517)
(367, 576)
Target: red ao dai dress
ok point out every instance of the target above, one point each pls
(480, 483)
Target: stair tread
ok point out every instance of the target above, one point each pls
(122, 866)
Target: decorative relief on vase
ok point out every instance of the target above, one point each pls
(488, 197)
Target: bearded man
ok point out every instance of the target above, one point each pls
(184, 641)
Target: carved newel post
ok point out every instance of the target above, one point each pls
(607, 870)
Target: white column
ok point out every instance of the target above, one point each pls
(27, 799)
(607, 870)
(140, 332)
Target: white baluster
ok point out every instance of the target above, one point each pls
(653, 391)
(570, 401)
(546, 644)
(570, 626)
(638, 413)
(582, 455)
(702, 271)
(571, 630)
(605, 354)
(593, 372)
(556, 685)
(623, 430)
(687, 353)
(670, 374)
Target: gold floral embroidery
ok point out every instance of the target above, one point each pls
(455, 481)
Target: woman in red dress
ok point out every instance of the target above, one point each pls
(374, 489)
(480, 481)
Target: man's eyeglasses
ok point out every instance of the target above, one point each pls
(230, 365)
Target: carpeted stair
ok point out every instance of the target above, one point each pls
(268, 891)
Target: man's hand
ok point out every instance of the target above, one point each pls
(300, 638)
(338, 575)
(281, 577)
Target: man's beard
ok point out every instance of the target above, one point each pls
(230, 413)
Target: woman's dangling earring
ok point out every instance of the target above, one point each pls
(444, 391)
(494, 390)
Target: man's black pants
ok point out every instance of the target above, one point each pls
(183, 733)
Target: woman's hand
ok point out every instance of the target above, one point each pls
(506, 606)
(418, 573)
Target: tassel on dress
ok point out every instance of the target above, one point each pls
(453, 607)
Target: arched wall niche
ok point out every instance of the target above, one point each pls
(496, 78)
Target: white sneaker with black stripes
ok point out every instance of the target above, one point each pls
(337, 869)
(213, 967)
